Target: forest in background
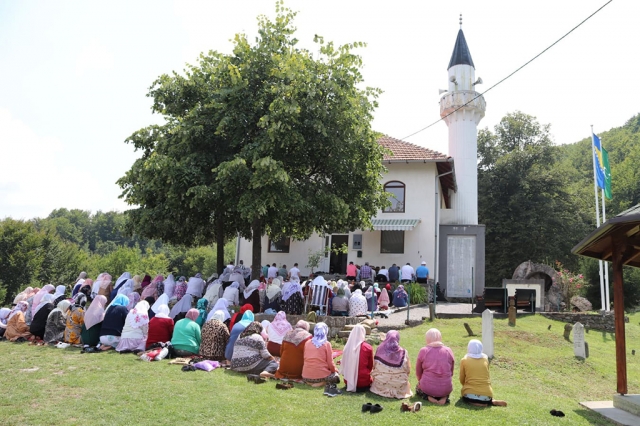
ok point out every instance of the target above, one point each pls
(535, 198)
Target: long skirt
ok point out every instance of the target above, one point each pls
(110, 340)
(126, 344)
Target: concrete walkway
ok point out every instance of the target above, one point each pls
(416, 313)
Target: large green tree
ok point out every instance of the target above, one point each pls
(272, 139)
(524, 198)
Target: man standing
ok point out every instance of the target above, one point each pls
(422, 273)
(246, 272)
(294, 272)
(352, 271)
(272, 272)
(407, 273)
(365, 272)
(283, 272)
(394, 273)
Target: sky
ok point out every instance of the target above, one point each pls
(74, 75)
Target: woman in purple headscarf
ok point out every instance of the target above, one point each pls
(391, 369)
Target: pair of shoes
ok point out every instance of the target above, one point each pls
(557, 413)
(332, 390)
(403, 408)
(284, 386)
(371, 408)
(88, 350)
(188, 368)
(255, 378)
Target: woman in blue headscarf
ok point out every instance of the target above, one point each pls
(247, 319)
(113, 323)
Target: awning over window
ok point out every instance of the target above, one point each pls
(394, 224)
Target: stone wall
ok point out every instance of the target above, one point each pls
(591, 321)
(335, 324)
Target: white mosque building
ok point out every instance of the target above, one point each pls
(434, 211)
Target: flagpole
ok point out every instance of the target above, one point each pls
(606, 266)
(595, 191)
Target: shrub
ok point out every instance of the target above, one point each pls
(417, 293)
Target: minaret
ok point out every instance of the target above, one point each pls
(463, 129)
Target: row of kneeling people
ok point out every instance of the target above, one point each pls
(268, 348)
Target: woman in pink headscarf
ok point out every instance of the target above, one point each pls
(434, 369)
(31, 310)
(93, 317)
(187, 335)
(391, 369)
(276, 332)
(152, 289)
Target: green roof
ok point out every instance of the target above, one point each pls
(394, 224)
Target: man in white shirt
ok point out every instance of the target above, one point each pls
(384, 271)
(294, 272)
(273, 271)
(407, 273)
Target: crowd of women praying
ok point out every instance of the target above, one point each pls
(194, 318)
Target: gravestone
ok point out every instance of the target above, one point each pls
(578, 341)
(468, 328)
(487, 333)
(512, 312)
(567, 331)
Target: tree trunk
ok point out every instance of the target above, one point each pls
(220, 264)
(256, 255)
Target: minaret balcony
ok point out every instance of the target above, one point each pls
(451, 101)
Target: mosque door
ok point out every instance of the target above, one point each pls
(338, 261)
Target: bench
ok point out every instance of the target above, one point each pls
(493, 298)
(526, 300)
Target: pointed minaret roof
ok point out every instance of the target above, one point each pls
(461, 54)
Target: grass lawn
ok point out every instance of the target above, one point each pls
(534, 370)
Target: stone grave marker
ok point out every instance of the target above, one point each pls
(578, 341)
(512, 312)
(487, 333)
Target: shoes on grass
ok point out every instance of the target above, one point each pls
(405, 407)
(375, 408)
(255, 378)
(284, 386)
(366, 407)
(557, 413)
(332, 390)
(416, 407)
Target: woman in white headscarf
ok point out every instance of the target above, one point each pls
(127, 288)
(195, 286)
(160, 326)
(273, 296)
(475, 378)
(252, 295)
(213, 293)
(232, 294)
(136, 328)
(168, 286)
(93, 318)
(221, 305)
(357, 361)
(357, 304)
(57, 323)
(182, 306)
(292, 300)
(215, 336)
(318, 368)
(59, 294)
(126, 276)
(162, 300)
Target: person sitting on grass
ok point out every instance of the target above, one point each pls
(135, 330)
(357, 361)
(276, 332)
(475, 379)
(160, 326)
(215, 336)
(400, 297)
(252, 296)
(434, 369)
(247, 319)
(17, 328)
(292, 352)
(75, 318)
(391, 369)
(318, 368)
(39, 322)
(4, 314)
(357, 304)
(93, 318)
(187, 335)
(340, 304)
(250, 354)
(113, 323)
(57, 323)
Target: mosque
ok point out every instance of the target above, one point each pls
(433, 215)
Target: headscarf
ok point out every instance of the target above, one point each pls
(79, 281)
(162, 311)
(289, 289)
(195, 285)
(389, 352)
(247, 318)
(280, 325)
(123, 279)
(235, 284)
(39, 295)
(20, 307)
(134, 298)
(351, 356)
(303, 325)
(63, 307)
(434, 338)
(388, 287)
(95, 312)
(136, 282)
(181, 288)
(192, 314)
(103, 280)
(23, 296)
(401, 289)
(369, 293)
(213, 291)
(273, 289)
(340, 292)
(127, 287)
(253, 286)
(320, 333)
(170, 286)
(253, 328)
(183, 305)
(60, 291)
(120, 300)
(238, 315)
(151, 288)
(162, 300)
(474, 349)
(265, 325)
(221, 305)
(139, 316)
(383, 300)
(218, 315)
(145, 281)
(4, 314)
(47, 298)
(201, 306)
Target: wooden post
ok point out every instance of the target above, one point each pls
(618, 307)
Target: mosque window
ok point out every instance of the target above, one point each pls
(396, 192)
(280, 245)
(391, 241)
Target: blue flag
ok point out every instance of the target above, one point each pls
(597, 158)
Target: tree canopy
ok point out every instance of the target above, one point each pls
(271, 139)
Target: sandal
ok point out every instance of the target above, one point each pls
(405, 407)
(284, 386)
(416, 407)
